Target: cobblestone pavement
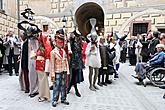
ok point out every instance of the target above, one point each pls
(122, 94)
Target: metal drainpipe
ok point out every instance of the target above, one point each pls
(18, 13)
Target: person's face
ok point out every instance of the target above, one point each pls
(163, 40)
(10, 33)
(29, 33)
(60, 43)
(22, 37)
(149, 36)
(158, 49)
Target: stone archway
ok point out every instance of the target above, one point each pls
(84, 13)
(55, 26)
(148, 11)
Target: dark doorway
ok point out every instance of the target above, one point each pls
(87, 11)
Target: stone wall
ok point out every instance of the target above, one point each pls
(8, 17)
(115, 21)
(115, 15)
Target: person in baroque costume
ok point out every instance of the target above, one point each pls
(76, 63)
(43, 54)
(93, 60)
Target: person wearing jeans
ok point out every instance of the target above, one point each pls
(59, 69)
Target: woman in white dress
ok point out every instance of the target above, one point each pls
(93, 61)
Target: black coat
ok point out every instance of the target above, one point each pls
(2, 47)
(24, 59)
(152, 45)
(111, 55)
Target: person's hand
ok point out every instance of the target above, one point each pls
(52, 78)
(151, 55)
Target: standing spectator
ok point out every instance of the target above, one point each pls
(131, 51)
(118, 53)
(162, 38)
(104, 64)
(111, 56)
(144, 51)
(2, 52)
(138, 50)
(12, 45)
(123, 51)
(153, 43)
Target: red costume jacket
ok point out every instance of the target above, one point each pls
(41, 58)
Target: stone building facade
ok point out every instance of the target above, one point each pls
(136, 16)
(8, 16)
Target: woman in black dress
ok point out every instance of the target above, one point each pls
(76, 63)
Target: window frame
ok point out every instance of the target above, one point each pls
(140, 22)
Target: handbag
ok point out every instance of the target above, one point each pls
(40, 65)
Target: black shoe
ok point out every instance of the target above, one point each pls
(164, 96)
(78, 94)
(54, 104)
(51, 87)
(16, 74)
(33, 95)
(136, 77)
(65, 102)
(100, 84)
(10, 74)
(108, 82)
(103, 83)
(162, 87)
(26, 91)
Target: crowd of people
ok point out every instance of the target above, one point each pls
(36, 56)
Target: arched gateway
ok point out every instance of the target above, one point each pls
(85, 12)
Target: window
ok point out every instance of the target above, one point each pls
(1, 4)
(140, 28)
(161, 30)
(45, 28)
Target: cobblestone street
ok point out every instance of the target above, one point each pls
(122, 94)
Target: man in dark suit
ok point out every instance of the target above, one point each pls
(2, 52)
(12, 44)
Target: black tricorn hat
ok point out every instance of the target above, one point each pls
(59, 37)
(76, 33)
(60, 31)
